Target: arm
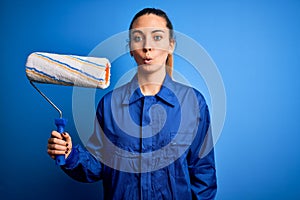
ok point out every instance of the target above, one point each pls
(82, 166)
(201, 159)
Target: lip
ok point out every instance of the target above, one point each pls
(147, 60)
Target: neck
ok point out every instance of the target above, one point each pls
(151, 83)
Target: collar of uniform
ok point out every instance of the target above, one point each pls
(134, 93)
(166, 92)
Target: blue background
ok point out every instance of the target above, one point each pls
(255, 44)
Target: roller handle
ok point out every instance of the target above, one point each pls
(60, 124)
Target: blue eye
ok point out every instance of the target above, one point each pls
(157, 38)
(137, 38)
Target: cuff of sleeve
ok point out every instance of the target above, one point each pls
(72, 158)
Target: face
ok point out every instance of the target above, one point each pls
(150, 42)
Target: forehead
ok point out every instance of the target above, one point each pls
(149, 20)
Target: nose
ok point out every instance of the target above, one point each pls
(145, 50)
(147, 45)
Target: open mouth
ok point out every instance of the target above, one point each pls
(147, 61)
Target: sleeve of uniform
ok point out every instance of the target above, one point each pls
(201, 158)
(81, 164)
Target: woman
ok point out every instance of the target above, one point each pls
(149, 134)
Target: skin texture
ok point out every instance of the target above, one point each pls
(59, 144)
(150, 45)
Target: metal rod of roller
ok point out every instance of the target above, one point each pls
(49, 101)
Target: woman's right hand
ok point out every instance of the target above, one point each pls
(59, 144)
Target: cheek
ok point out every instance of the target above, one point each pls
(162, 51)
(137, 53)
(163, 46)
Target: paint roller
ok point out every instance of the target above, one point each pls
(68, 70)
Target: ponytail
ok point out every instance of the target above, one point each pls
(169, 65)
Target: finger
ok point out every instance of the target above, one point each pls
(57, 141)
(66, 137)
(58, 147)
(68, 140)
(54, 153)
(55, 134)
(51, 155)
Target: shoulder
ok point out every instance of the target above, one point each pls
(120, 91)
(188, 91)
(116, 94)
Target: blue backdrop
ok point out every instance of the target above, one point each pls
(255, 44)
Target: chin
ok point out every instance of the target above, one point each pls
(150, 68)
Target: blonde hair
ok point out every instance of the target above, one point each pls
(169, 65)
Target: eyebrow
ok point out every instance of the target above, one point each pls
(141, 32)
(155, 31)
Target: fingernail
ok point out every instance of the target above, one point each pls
(67, 144)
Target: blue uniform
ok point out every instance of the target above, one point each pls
(149, 147)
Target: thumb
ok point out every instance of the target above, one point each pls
(68, 140)
(66, 137)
